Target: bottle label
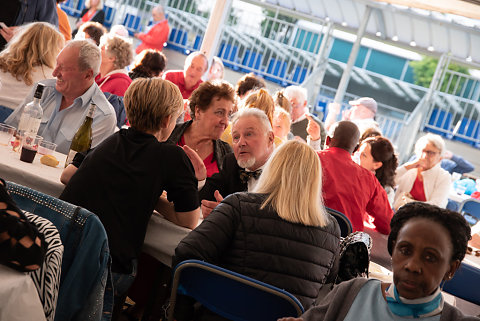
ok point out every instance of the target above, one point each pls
(91, 111)
(29, 124)
(70, 156)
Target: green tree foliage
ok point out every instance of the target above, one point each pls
(271, 27)
(424, 69)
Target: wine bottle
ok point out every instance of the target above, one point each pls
(32, 113)
(82, 141)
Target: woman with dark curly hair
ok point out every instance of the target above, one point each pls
(149, 63)
(427, 244)
(378, 156)
(210, 107)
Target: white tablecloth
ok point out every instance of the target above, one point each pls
(19, 299)
(43, 178)
(162, 238)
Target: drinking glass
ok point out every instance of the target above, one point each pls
(30, 143)
(6, 133)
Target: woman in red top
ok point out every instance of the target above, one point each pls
(210, 107)
(117, 53)
(93, 12)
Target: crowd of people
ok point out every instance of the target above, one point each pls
(251, 173)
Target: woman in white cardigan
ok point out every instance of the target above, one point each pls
(423, 179)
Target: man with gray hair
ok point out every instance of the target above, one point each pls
(66, 100)
(300, 116)
(252, 146)
(157, 36)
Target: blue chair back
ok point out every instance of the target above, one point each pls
(470, 209)
(85, 276)
(230, 294)
(343, 221)
(462, 284)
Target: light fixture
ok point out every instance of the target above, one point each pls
(413, 43)
(430, 48)
(469, 59)
(327, 19)
(378, 34)
(344, 24)
(395, 38)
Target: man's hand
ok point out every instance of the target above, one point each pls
(197, 162)
(313, 128)
(208, 206)
(7, 33)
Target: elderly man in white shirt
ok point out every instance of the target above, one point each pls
(65, 100)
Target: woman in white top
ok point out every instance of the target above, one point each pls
(423, 179)
(28, 58)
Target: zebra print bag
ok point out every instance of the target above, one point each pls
(47, 278)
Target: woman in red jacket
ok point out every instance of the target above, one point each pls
(117, 53)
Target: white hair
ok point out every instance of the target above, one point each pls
(89, 55)
(159, 9)
(253, 112)
(296, 92)
(434, 139)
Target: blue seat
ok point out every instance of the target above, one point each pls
(197, 43)
(469, 128)
(462, 285)
(85, 285)
(132, 23)
(276, 71)
(177, 39)
(440, 122)
(231, 295)
(299, 74)
(343, 221)
(228, 54)
(109, 15)
(470, 209)
(252, 61)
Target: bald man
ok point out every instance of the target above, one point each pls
(157, 36)
(349, 188)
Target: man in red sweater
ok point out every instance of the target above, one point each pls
(348, 187)
(158, 33)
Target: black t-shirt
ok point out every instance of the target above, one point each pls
(121, 181)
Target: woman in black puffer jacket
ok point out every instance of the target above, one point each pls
(276, 235)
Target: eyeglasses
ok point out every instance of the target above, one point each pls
(430, 153)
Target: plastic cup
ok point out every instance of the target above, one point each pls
(46, 147)
(6, 134)
(460, 189)
(30, 143)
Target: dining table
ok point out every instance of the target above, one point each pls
(40, 177)
(162, 235)
(19, 298)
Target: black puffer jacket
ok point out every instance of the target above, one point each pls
(241, 237)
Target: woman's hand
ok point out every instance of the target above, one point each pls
(7, 32)
(419, 163)
(208, 206)
(197, 162)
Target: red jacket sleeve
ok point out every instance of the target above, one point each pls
(379, 208)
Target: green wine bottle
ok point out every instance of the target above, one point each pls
(82, 141)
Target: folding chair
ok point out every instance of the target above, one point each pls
(231, 295)
(343, 221)
(462, 284)
(470, 209)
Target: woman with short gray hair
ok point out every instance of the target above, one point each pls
(423, 179)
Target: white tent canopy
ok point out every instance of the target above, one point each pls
(421, 30)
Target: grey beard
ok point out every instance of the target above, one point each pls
(246, 163)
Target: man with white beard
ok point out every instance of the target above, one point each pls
(252, 146)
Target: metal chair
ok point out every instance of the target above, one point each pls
(462, 284)
(231, 295)
(343, 221)
(470, 209)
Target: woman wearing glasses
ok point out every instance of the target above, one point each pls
(423, 179)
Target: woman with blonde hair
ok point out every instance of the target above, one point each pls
(273, 235)
(28, 58)
(93, 11)
(117, 53)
